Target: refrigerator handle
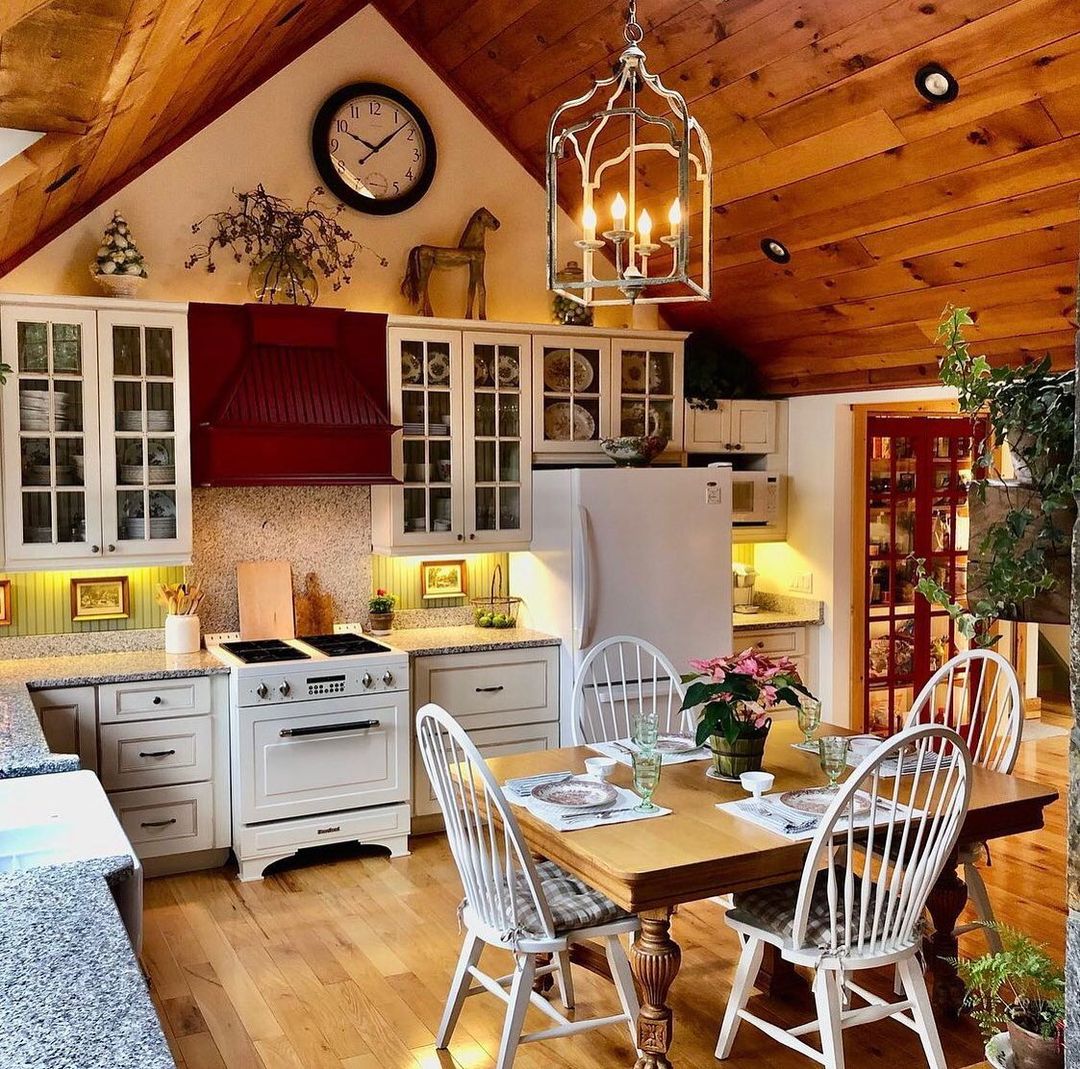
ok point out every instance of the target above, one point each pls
(583, 622)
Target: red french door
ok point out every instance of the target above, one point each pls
(918, 470)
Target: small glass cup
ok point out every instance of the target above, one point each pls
(809, 717)
(646, 731)
(647, 766)
(833, 754)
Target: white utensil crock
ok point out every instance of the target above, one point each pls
(182, 634)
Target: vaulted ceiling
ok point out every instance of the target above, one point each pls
(891, 206)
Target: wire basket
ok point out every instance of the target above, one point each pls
(497, 610)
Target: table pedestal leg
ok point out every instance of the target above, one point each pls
(779, 979)
(946, 903)
(543, 984)
(655, 959)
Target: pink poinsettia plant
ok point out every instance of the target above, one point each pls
(736, 693)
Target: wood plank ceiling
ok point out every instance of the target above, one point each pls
(890, 206)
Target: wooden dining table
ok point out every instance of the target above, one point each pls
(649, 867)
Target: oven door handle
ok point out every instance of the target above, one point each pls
(327, 729)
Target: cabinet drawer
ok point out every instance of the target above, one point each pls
(156, 753)
(337, 827)
(491, 742)
(167, 820)
(153, 698)
(493, 689)
(781, 641)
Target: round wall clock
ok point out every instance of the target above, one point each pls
(374, 148)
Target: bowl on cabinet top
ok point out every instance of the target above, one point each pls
(634, 451)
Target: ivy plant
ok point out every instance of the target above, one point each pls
(1033, 408)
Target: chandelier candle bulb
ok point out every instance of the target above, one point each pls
(618, 212)
(588, 223)
(674, 217)
(644, 225)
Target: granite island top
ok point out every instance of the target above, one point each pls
(430, 641)
(23, 750)
(73, 992)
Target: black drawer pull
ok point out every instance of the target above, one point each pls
(328, 831)
(156, 753)
(157, 699)
(326, 729)
(157, 823)
(488, 690)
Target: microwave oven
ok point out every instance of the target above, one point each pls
(756, 499)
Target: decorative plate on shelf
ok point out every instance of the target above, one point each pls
(438, 369)
(412, 371)
(566, 422)
(482, 371)
(816, 801)
(557, 363)
(576, 793)
(508, 370)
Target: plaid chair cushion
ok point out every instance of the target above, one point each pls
(573, 905)
(773, 909)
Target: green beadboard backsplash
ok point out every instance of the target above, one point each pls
(401, 576)
(41, 601)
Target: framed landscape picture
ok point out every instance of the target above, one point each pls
(100, 598)
(443, 579)
(5, 602)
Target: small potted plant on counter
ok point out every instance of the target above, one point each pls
(381, 612)
(735, 695)
(1019, 991)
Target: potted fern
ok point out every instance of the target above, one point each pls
(1020, 990)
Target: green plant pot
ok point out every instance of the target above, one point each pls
(745, 754)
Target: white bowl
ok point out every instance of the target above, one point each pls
(600, 767)
(757, 783)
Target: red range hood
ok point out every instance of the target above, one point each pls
(285, 396)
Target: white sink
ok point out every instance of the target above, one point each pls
(31, 845)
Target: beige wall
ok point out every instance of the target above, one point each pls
(265, 138)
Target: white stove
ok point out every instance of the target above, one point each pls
(320, 745)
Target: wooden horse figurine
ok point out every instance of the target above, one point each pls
(423, 259)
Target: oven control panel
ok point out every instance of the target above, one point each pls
(265, 686)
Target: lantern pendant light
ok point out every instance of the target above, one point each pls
(628, 144)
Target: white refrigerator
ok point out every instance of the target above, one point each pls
(628, 551)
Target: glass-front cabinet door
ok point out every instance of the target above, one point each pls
(648, 391)
(51, 435)
(498, 438)
(572, 407)
(428, 509)
(146, 477)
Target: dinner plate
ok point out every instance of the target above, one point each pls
(565, 421)
(412, 371)
(675, 743)
(576, 793)
(816, 800)
(508, 370)
(557, 363)
(438, 369)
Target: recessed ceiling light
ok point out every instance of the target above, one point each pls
(775, 250)
(936, 84)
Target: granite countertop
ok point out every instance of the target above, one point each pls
(429, 641)
(74, 995)
(23, 750)
(768, 619)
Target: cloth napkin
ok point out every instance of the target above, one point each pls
(888, 769)
(769, 812)
(612, 749)
(621, 810)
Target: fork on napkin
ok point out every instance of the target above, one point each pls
(522, 787)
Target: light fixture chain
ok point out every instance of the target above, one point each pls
(633, 33)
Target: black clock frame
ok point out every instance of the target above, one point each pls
(320, 150)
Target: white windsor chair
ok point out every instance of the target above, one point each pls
(511, 901)
(861, 897)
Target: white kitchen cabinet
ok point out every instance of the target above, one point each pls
(647, 376)
(96, 450)
(464, 454)
(69, 721)
(780, 642)
(507, 700)
(572, 402)
(734, 426)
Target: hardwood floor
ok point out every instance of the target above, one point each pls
(343, 963)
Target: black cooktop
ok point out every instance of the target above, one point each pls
(264, 651)
(345, 644)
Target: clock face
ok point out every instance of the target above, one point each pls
(374, 148)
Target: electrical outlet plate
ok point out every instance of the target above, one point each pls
(803, 583)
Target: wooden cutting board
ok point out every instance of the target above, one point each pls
(314, 608)
(264, 592)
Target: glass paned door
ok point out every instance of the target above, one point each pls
(571, 393)
(497, 438)
(646, 390)
(425, 392)
(918, 471)
(51, 433)
(144, 405)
